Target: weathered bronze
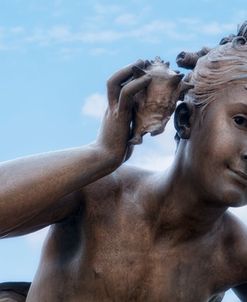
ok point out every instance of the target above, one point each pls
(121, 233)
(14, 291)
(188, 60)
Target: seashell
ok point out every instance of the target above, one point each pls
(154, 105)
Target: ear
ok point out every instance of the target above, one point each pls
(184, 114)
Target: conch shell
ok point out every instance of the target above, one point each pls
(154, 105)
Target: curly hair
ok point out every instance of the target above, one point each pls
(222, 65)
(215, 68)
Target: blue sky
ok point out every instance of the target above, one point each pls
(55, 57)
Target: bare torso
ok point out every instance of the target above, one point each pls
(114, 249)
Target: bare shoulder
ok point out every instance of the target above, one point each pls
(235, 241)
(235, 231)
(124, 179)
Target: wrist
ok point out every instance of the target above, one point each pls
(110, 157)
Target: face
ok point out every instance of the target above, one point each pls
(217, 148)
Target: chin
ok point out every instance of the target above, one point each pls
(234, 198)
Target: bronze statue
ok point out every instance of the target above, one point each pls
(121, 233)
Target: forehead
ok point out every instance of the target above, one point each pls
(230, 97)
(233, 93)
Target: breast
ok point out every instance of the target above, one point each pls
(111, 255)
(123, 261)
(119, 250)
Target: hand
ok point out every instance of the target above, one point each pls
(116, 127)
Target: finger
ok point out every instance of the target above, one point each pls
(130, 89)
(115, 81)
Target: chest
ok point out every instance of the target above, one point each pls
(155, 272)
(131, 263)
(119, 256)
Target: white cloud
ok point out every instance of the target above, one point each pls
(94, 105)
(98, 31)
(152, 31)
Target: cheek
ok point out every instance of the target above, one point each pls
(220, 141)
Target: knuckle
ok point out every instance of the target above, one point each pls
(131, 88)
(125, 91)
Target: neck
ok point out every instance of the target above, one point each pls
(185, 211)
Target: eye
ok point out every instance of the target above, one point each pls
(240, 121)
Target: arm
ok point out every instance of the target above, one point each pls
(31, 187)
(34, 190)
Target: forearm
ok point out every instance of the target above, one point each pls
(33, 184)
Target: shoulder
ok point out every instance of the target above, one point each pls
(235, 231)
(126, 178)
(234, 242)
(132, 176)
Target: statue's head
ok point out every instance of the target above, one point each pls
(217, 68)
(222, 66)
(211, 122)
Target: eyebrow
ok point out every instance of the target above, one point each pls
(240, 104)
